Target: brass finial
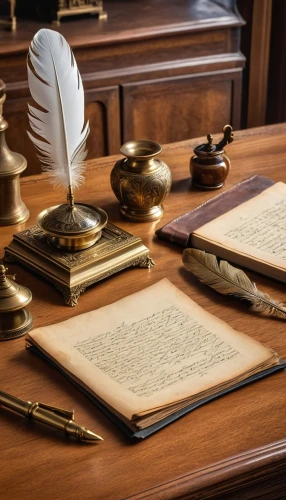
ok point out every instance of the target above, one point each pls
(210, 142)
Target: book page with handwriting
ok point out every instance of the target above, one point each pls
(256, 227)
(150, 350)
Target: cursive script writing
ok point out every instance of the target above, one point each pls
(157, 352)
(265, 231)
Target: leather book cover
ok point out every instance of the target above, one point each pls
(179, 230)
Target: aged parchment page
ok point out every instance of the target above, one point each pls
(256, 228)
(149, 350)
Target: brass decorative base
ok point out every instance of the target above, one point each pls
(73, 272)
(149, 215)
(18, 216)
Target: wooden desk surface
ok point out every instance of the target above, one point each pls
(234, 447)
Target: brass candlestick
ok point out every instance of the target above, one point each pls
(12, 208)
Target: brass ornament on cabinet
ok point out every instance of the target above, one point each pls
(76, 7)
(12, 208)
(54, 10)
(15, 320)
(140, 181)
(210, 166)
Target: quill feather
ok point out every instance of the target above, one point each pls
(56, 86)
(229, 280)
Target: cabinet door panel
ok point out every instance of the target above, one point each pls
(174, 109)
(101, 109)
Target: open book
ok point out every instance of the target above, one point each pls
(152, 356)
(251, 235)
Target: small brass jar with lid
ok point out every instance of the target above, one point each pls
(209, 166)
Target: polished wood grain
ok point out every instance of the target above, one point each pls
(231, 448)
(131, 65)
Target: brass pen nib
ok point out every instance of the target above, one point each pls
(89, 437)
(81, 433)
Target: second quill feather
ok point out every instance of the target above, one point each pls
(229, 280)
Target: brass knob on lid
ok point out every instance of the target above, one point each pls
(15, 320)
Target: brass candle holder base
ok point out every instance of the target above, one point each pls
(73, 272)
(15, 324)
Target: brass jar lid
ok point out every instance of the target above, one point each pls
(12, 295)
(74, 227)
(210, 149)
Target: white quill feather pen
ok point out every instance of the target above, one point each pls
(56, 86)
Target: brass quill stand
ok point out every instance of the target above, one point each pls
(73, 272)
(73, 246)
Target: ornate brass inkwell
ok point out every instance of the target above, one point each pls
(72, 244)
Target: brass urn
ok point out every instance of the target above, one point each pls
(140, 181)
(210, 166)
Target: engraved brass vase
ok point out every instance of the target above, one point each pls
(140, 181)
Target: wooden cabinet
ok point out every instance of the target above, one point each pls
(180, 107)
(149, 71)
